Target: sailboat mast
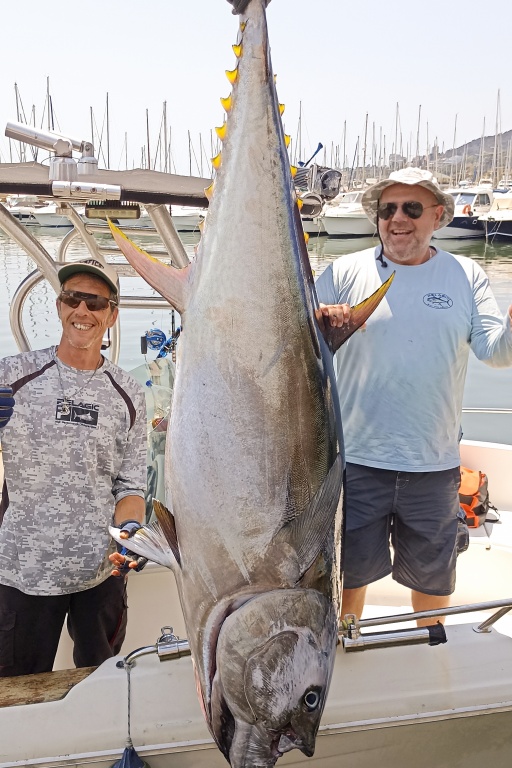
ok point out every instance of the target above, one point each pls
(418, 136)
(495, 153)
(453, 152)
(147, 139)
(363, 170)
(166, 149)
(108, 135)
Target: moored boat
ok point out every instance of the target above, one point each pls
(471, 203)
(345, 217)
(498, 220)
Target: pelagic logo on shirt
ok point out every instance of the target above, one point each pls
(77, 413)
(437, 301)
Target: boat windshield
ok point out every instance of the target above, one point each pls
(465, 198)
(502, 203)
(352, 197)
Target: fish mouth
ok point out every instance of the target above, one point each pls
(260, 751)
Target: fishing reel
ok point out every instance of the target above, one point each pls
(155, 339)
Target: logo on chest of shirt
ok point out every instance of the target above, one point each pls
(437, 301)
(77, 413)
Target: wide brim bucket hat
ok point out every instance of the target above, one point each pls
(413, 177)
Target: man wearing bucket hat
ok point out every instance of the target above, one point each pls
(74, 449)
(400, 383)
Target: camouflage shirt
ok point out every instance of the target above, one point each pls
(74, 447)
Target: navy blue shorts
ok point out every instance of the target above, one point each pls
(414, 511)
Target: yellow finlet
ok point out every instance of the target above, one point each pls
(306, 237)
(275, 79)
(200, 226)
(300, 203)
(221, 131)
(293, 171)
(287, 140)
(227, 103)
(232, 75)
(217, 161)
(243, 25)
(238, 50)
(282, 108)
(209, 191)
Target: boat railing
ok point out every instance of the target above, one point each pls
(490, 411)
(172, 251)
(169, 646)
(355, 640)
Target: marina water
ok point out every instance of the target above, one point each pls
(485, 387)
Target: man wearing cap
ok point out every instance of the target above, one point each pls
(74, 449)
(400, 382)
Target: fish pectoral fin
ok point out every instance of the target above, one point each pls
(307, 532)
(149, 541)
(168, 526)
(169, 282)
(359, 314)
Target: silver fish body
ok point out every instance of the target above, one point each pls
(254, 459)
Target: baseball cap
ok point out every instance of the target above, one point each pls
(94, 267)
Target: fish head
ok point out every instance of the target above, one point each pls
(275, 657)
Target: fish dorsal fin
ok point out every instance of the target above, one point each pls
(156, 541)
(359, 314)
(307, 532)
(168, 526)
(171, 283)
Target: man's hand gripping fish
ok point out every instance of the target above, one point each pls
(254, 459)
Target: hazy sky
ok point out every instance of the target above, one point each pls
(340, 59)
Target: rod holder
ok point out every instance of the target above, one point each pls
(432, 635)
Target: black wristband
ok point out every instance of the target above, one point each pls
(125, 522)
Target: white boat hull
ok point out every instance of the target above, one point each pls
(412, 704)
(314, 226)
(52, 220)
(348, 226)
(459, 233)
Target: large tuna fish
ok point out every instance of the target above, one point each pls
(254, 462)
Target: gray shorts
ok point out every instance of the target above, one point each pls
(416, 512)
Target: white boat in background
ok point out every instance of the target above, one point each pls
(498, 220)
(187, 219)
(345, 217)
(504, 185)
(49, 216)
(23, 207)
(470, 204)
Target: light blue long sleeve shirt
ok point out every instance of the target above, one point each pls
(401, 380)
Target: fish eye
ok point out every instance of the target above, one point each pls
(312, 700)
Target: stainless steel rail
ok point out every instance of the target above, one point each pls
(355, 640)
(488, 410)
(169, 646)
(450, 611)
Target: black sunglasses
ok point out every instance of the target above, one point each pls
(93, 302)
(411, 209)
